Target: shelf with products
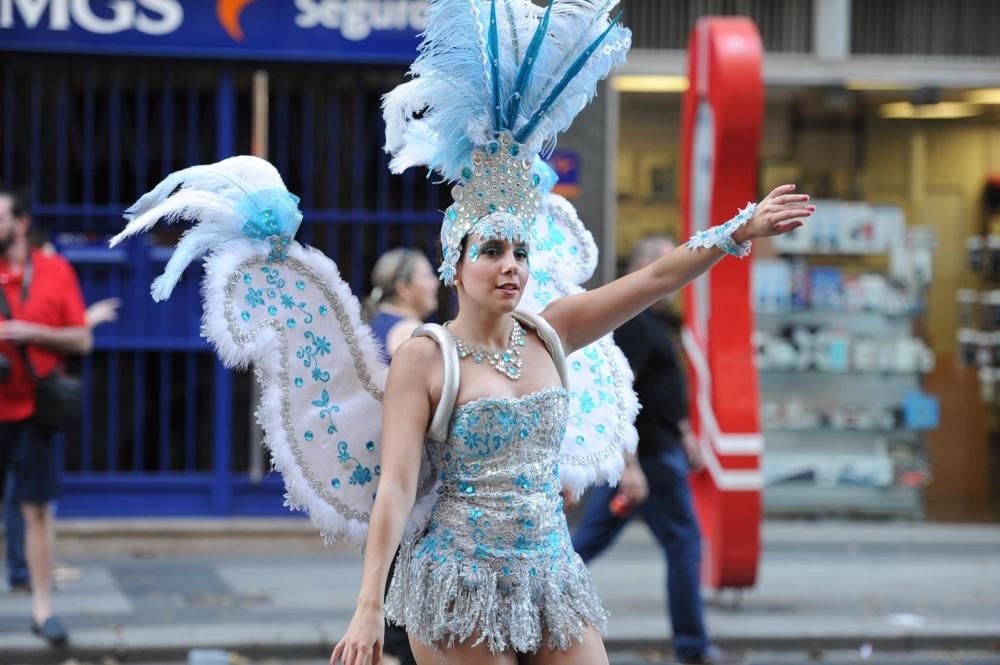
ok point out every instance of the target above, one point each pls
(825, 349)
(826, 413)
(841, 362)
(806, 312)
(892, 431)
(913, 436)
(797, 499)
(812, 371)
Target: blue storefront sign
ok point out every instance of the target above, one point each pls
(566, 164)
(367, 31)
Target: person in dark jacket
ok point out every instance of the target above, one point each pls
(655, 484)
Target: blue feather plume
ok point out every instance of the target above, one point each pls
(527, 65)
(475, 76)
(574, 69)
(494, 52)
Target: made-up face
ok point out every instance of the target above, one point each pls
(493, 273)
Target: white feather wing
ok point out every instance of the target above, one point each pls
(603, 405)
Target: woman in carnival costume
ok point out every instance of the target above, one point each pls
(481, 423)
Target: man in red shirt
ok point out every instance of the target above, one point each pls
(47, 318)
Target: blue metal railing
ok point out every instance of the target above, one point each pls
(166, 429)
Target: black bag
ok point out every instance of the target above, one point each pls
(58, 397)
(58, 402)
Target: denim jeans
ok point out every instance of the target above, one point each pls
(669, 513)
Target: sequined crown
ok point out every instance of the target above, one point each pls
(497, 197)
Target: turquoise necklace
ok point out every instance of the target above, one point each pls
(508, 361)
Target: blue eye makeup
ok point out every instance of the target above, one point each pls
(473, 253)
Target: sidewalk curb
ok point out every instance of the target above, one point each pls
(321, 649)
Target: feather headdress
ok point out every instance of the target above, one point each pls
(498, 79)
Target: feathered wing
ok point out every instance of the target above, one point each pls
(283, 309)
(227, 179)
(320, 373)
(603, 404)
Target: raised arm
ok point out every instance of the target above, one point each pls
(583, 318)
(406, 414)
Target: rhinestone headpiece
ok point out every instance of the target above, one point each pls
(498, 196)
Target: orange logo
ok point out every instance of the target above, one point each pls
(228, 12)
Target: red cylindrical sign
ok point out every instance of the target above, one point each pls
(723, 112)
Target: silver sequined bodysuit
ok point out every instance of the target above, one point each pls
(495, 561)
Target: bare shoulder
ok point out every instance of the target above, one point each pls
(417, 351)
(418, 357)
(417, 365)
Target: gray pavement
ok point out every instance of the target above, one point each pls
(823, 586)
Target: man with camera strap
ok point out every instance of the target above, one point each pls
(41, 320)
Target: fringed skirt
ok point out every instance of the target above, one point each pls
(443, 599)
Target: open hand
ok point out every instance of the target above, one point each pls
(693, 451)
(362, 643)
(778, 213)
(103, 311)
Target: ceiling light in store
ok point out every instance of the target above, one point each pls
(875, 86)
(649, 83)
(984, 96)
(939, 111)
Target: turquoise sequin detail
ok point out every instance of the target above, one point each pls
(496, 543)
(721, 236)
(274, 288)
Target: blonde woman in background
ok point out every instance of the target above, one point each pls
(404, 292)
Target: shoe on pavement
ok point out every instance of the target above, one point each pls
(20, 587)
(714, 656)
(52, 631)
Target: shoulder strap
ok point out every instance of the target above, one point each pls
(5, 306)
(551, 339)
(449, 389)
(7, 314)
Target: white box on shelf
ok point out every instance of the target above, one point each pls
(847, 227)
